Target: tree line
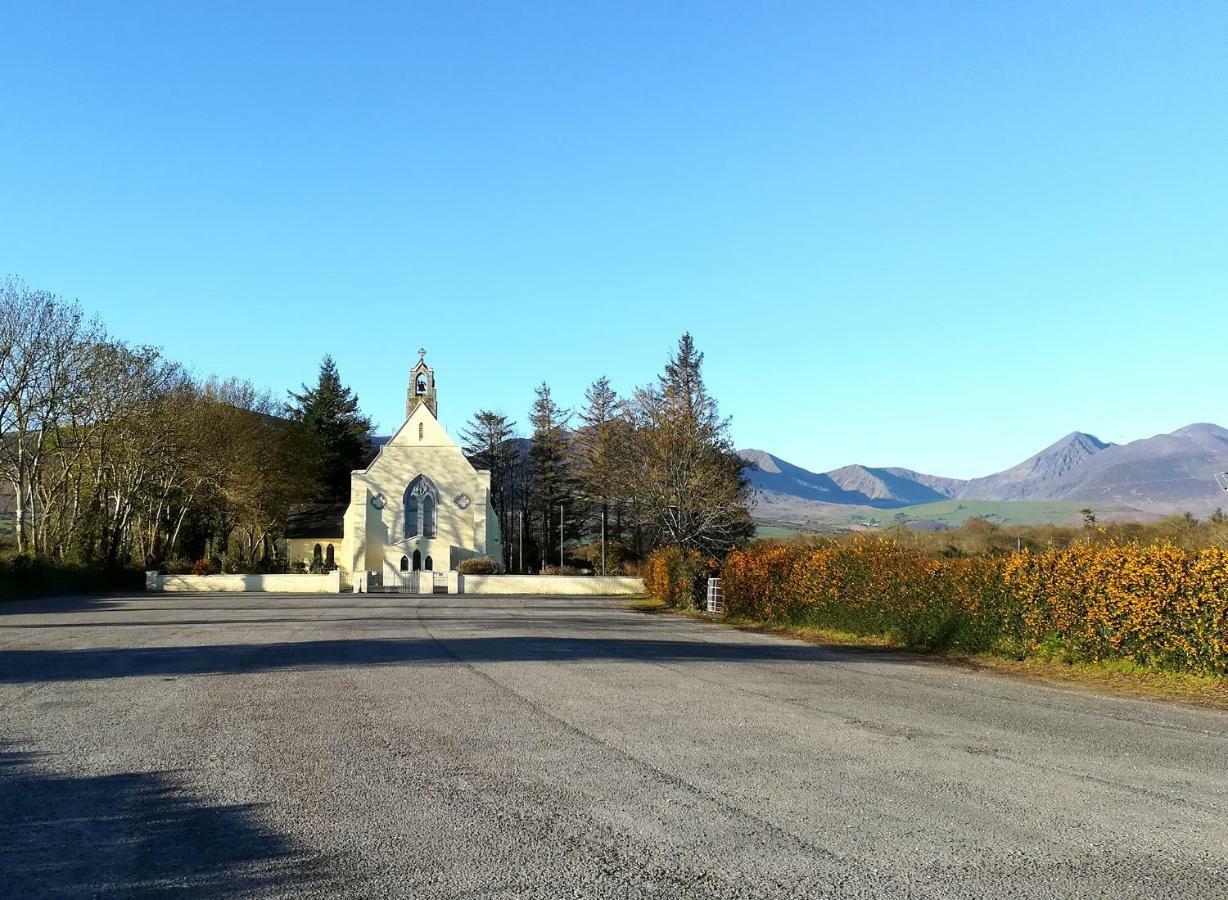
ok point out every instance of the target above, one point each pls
(113, 456)
(620, 475)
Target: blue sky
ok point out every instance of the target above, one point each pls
(937, 235)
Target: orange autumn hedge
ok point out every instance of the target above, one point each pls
(1156, 605)
(679, 577)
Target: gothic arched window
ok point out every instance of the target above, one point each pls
(328, 557)
(421, 388)
(430, 566)
(404, 563)
(421, 501)
(428, 516)
(411, 515)
(317, 554)
(417, 560)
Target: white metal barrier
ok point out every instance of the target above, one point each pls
(394, 582)
(716, 597)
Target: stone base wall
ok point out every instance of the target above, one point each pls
(592, 585)
(329, 583)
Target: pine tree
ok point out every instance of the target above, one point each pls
(550, 465)
(688, 478)
(603, 443)
(329, 412)
(488, 443)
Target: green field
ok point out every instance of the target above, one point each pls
(777, 531)
(954, 513)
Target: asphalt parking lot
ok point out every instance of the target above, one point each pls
(264, 745)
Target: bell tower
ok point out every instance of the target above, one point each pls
(421, 387)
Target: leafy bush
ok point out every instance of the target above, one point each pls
(561, 570)
(1159, 606)
(615, 555)
(177, 566)
(28, 576)
(678, 577)
(478, 565)
(206, 566)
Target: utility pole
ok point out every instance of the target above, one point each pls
(560, 535)
(603, 539)
(521, 515)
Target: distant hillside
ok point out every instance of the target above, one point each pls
(1033, 478)
(851, 485)
(894, 484)
(1163, 474)
(1168, 471)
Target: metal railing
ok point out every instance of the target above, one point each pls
(392, 582)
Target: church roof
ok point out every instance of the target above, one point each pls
(316, 520)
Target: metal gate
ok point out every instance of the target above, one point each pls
(424, 582)
(392, 583)
(716, 597)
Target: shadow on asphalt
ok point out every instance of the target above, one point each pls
(24, 606)
(22, 666)
(572, 622)
(133, 835)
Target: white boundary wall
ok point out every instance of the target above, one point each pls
(329, 583)
(595, 585)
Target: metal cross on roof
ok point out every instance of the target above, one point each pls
(421, 354)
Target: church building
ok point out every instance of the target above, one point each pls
(420, 505)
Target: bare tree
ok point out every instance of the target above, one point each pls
(45, 350)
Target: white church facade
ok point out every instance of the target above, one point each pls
(420, 505)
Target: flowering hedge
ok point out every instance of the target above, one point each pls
(1155, 605)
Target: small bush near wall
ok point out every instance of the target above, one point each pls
(1159, 605)
(478, 565)
(678, 577)
(205, 567)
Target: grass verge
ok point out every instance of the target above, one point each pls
(1120, 678)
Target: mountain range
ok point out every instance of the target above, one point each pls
(1153, 476)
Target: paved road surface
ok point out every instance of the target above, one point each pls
(480, 747)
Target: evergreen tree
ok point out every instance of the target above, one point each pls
(687, 476)
(488, 443)
(603, 444)
(329, 412)
(550, 465)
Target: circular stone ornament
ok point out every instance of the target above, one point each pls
(462, 500)
(378, 501)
